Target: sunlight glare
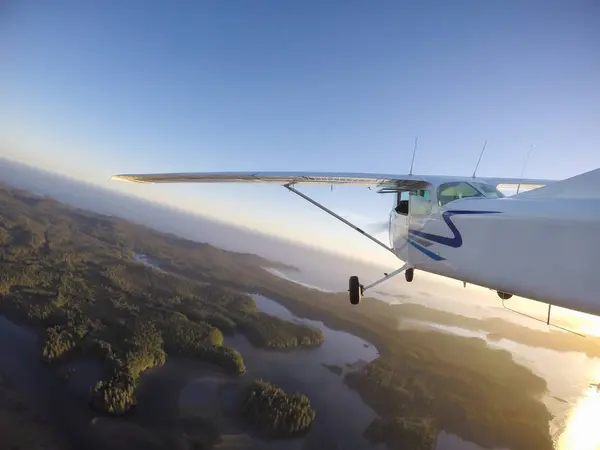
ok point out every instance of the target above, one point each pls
(581, 432)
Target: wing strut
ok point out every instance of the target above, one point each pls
(547, 321)
(340, 218)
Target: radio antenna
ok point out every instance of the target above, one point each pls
(525, 165)
(413, 157)
(479, 160)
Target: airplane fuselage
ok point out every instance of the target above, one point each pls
(541, 249)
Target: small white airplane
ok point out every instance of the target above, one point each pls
(540, 244)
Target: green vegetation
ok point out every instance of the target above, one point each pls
(274, 412)
(116, 395)
(57, 342)
(403, 433)
(201, 340)
(73, 275)
(272, 332)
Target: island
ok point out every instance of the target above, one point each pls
(274, 412)
(275, 333)
(400, 433)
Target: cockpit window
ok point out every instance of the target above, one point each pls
(453, 191)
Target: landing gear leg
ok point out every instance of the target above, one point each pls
(357, 290)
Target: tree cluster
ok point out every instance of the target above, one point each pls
(226, 357)
(274, 412)
(402, 433)
(268, 331)
(183, 335)
(57, 342)
(200, 340)
(116, 395)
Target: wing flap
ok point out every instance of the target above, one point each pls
(281, 178)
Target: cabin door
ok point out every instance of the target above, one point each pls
(420, 209)
(399, 225)
(413, 209)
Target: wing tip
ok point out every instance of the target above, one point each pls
(129, 179)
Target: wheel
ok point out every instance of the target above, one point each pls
(409, 274)
(354, 290)
(504, 295)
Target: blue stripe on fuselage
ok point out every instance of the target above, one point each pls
(429, 253)
(456, 240)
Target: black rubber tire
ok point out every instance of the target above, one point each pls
(504, 295)
(409, 274)
(354, 290)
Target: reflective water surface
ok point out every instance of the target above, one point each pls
(571, 398)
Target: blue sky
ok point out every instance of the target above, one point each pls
(95, 88)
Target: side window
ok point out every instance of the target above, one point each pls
(417, 202)
(402, 205)
(420, 202)
(424, 193)
(453, 191)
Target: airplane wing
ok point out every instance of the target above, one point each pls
(283, 178)
(389, 182)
